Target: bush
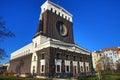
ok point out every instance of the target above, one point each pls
(90, 77)
(111, 77)
(9, 74)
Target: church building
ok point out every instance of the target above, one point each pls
(52, 51)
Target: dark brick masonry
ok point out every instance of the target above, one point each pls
(48, 27)
(21, 65)
(50, 56)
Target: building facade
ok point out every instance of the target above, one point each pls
(96, 55)
(113, 54)
(52, 50)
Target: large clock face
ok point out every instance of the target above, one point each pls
(61, 28)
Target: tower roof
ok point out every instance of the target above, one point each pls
(48, 5)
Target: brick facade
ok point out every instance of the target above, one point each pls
(48, 27)
(50, 56)
(21, 65)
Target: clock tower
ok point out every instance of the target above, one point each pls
(55, 22)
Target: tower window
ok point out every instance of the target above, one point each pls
(61, 28)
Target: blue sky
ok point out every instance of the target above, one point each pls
(96, 23)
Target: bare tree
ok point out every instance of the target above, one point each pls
(118, 66)
(107, 64)
(4, 32)
(99, 69)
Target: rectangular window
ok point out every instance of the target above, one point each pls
(67, 57)
(58, 56)
(33, 69)
(68, 18)
(35, 45)
(34, 58)
(44, 9)
(80, 58)
(67, 68)
(58, 68)
(87, 69)
(65, 17)
(51, 9)
(42, 56)
(81, 68)
(62, 15)
(75, 69)
(55, 11)
(42, 68)
(74, 58)
(59, 13)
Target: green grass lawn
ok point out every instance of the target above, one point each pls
(104, 77)
(111, 77)
(18, 78)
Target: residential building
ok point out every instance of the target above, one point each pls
(113, 54)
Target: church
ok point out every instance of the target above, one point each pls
(52, 52)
